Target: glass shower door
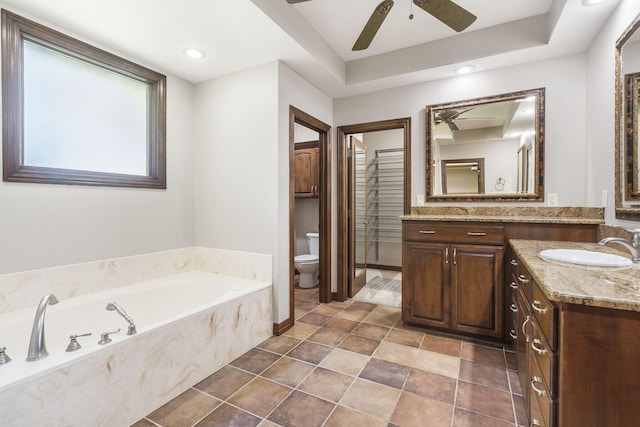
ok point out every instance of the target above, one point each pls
(359, 218)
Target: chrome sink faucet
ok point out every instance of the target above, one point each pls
(114, 306)
(632, 245)
(37, 345)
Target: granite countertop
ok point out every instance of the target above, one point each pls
(608, 287)
(503, 219)
(508, 214)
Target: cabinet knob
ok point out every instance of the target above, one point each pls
(513, 285)
(513, 262)
(513, 308)
(522, 278)
(513, 334)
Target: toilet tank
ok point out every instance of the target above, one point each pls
(314, 243)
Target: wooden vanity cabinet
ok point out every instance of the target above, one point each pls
(577, 364)
(306, 172)
(452, 277)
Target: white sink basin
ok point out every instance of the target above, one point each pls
(582, 257)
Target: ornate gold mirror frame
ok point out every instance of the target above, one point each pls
(626, 128)
(526, 183)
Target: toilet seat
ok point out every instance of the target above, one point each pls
(305, 258)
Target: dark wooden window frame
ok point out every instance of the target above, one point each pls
(16, 30)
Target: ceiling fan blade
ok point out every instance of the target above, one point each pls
(373, 24)
(448, 13)
(452, 126)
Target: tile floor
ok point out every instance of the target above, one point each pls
(353, 364)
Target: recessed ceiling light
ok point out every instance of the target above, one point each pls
(194, 53)
(465, 69)
(590, 2)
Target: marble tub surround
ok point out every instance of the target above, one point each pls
(120, 382)
(24, 289)
(557, 215)
(616, 288)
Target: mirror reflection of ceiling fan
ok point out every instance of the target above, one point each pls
(448, 12)
(449, 116)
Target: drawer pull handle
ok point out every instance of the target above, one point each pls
(455, 254)
(513, 262)
(538, 391)
(540, 350)
(513, 285)
(535, 423)
(513, 308)
(427, 232)
(476, 234)
(538, 307)
(446, 256)
(524, 328)
(522, 278)
(513, 334)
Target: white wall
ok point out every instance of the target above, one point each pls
(565, 148)
(47, 225)
(600, 109)
(294, 90)
(242, 163)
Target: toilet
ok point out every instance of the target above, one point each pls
(308, 265)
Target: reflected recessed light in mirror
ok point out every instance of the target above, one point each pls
(590, 2)
(465, 69)
(194, 53)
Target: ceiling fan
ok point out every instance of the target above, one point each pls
(446, 11)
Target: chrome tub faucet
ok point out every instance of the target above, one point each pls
(632, 246)
(114, 306)
(37, 345)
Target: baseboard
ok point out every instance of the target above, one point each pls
(282, 327)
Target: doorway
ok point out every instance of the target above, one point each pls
(368, 226)
(313, 192)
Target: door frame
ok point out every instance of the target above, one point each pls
(343, 194)
(324, 184)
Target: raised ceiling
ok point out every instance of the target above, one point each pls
(315, 37)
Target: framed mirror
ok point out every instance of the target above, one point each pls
(494, 144)
(627, 111)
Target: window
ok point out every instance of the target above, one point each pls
(75, 114)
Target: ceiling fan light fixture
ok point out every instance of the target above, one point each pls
(194, 53)
(464, 69)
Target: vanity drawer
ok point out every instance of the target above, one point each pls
(544, 357)
(545, 314)
(454, 233)
(541, 403)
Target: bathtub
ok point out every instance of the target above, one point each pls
(189, 325)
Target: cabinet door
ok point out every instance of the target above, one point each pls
(305, 169)
(477, 291)
(425, 284)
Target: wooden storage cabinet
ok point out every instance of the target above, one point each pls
(535, 344)
(306, 172)
(452, 277)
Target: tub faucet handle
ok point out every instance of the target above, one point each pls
(74, 344)
(3, 356)
(104, 337)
